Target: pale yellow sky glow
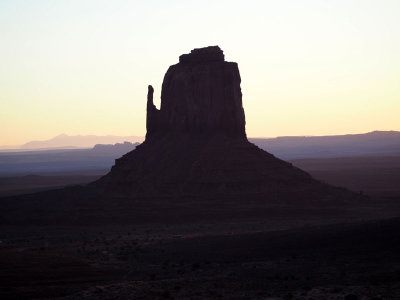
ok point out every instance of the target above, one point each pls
(308, 67)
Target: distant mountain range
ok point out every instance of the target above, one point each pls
(64, 141)
(286, 147)
(376, 142)
(367, 144)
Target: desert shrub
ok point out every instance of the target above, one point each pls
(289, 296)
(166, 294)
(177, 288)
(335, 290)
(351, 297)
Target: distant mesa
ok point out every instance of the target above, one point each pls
(196, 143)
(116, 148)
(64, 141)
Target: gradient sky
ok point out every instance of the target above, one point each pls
(307, 67)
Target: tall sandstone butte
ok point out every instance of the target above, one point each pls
(196, 143)
(200, 94)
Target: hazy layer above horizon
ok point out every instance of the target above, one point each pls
(283, 147)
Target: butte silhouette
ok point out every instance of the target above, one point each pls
(196, 144)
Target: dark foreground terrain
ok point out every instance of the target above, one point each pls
(283, 253)
(60, 246)
(371, 175)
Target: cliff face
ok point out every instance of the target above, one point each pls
(200, 94)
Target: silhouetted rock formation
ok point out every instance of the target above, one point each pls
(152, 123)
(200, 94)
(196, 143)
